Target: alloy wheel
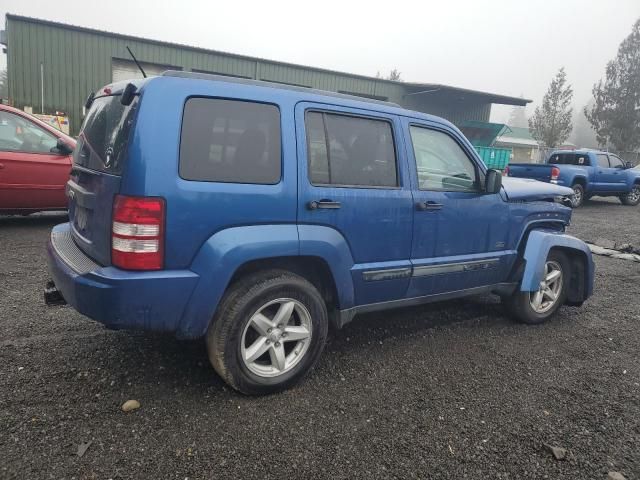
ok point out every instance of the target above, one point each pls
(276, 337)
(545, 298)
(576, 198)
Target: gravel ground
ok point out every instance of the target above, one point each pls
(606, 217)
(449, 391)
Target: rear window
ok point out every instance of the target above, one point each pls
(103, 140)
(230, 141)
(350, 151)
(569, 159)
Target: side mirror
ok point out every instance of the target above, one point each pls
(62, 147)
(493, 181)
(628, 165)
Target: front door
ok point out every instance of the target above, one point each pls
(355, 182)
(460, 233)
(32, 174)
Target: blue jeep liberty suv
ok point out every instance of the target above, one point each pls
(255, 214)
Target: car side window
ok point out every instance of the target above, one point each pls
(230, 141)
(441, 163)
(18, 134)
(352, 151)
(615, 161)
(602, 160)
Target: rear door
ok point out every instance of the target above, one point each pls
(32, 173)
(460, 233)
(98, 163)
(619, 178)
(355, 182)
(604, 174)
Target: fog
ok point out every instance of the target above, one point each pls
(508, 47)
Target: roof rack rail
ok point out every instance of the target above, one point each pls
(266, 83)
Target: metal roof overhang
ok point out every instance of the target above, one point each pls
(464, 93)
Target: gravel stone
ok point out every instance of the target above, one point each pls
(397, 414)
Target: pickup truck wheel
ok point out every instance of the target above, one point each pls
(268, 332)
(535, 307)
(632, 198)
(578, 195)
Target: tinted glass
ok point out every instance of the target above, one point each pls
(602, 160)
(615, 161)
(441, 162)
(20, 135)
(350, 151)
(102, 144)
(230, 141)
(568, 159)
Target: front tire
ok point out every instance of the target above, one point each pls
(577, 199)
(534, 308)
(632, 198)
(268, 332)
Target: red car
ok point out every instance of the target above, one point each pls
(35, 162)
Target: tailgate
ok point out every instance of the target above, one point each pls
(533, 171)
(98, 162)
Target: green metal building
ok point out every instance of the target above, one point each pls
(53, 67)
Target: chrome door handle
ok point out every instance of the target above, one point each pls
(425, 206)
(324, 204)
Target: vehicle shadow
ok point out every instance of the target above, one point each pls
(170, 363)
(35, 220)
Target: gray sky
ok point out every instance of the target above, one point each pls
(512, 47)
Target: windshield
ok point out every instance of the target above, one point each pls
(102, 144)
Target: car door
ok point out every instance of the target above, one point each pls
(604, 174)
(460, 233)
(32, 173)
(353, 179)
(618, 176)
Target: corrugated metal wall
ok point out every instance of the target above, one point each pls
(76, 62)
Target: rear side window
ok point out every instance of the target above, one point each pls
(603, 160)
(568, 159)
(103, 140)
(350, 151)
(230, 141)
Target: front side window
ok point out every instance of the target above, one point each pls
(441, 163)
(615, 161)
(602, 160)
(230, 141)
(350, 151)
(20, 135)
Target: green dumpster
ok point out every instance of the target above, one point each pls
(497, 158)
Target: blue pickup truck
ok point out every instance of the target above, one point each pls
(255, 215)
(588, 172)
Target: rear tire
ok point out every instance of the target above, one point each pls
(632, 198)
(256, 341)
(534, 308)
(577, 199)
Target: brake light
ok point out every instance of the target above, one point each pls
(555, 173)
(506, 171)
(137, 239)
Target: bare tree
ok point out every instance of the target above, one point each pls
(393, 75)
(551, 123)
(615, 115)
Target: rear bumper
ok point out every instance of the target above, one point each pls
(114, 297)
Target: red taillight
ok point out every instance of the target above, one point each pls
(555, 173)
(137, 240)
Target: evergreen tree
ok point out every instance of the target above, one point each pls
(551, 122)
(615, 115)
